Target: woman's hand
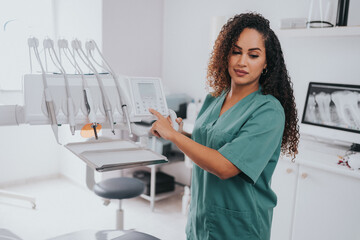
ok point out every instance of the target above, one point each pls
(163, 126)
(179, 121)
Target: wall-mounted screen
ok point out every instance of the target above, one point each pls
(334, 106)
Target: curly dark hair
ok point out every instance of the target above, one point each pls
(275, 81)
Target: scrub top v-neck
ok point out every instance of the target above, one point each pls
(249, 135)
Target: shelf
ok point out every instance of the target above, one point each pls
(323, 156)
(319, 32)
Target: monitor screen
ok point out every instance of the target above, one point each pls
(335, 106)
(147, 90)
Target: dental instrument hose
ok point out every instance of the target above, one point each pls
(88, 100)
(34, 43)
(118, 87)
(49, 45)
(106, 104)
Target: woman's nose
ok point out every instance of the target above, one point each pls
(241, 61)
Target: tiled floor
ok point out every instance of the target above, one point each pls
(63, 207)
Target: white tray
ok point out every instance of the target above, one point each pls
(112, 155)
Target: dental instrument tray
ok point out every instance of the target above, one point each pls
(108, 155)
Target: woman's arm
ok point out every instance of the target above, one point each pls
(185, 134)
(207, 158)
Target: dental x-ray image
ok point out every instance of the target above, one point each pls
(333, 105)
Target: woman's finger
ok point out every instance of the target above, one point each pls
(169, 119)
(155, 113)
(179, 120)
(154, 132)
(157, 134)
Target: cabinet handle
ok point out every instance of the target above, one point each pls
(304, 175)
(289, 170)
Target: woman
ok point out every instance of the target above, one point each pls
(244, 124)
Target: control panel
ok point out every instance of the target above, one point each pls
(147, 93)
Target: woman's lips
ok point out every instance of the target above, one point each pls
(241, 73)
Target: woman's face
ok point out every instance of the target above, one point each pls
(247, 59)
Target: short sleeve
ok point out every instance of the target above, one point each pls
(256, 142)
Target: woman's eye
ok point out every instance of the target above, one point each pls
(236, 52)
(254, 56)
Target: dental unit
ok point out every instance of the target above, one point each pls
(73, 99)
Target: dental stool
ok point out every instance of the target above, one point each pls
(102, 235)
(119, 188)
(6, 234)
(114, 188)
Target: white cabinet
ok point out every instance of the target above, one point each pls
(315, 204)
(284, 185)
(327, 206)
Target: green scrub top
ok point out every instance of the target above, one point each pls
(249, 135)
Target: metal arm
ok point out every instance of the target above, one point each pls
(11, 115)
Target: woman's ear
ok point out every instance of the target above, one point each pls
(265, 70)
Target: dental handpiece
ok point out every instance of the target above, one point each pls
(106, 104)
(91, 113)
(49, 45)
(126, 116)
(34, 44)
(88, 100)
(108, 112)
(91, 46)
(51, 112)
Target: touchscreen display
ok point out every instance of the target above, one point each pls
(147, 90)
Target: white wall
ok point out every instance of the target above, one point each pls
(133, 36)
(79, 19)
(33, 18)
(27, 152)
(187, 34)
